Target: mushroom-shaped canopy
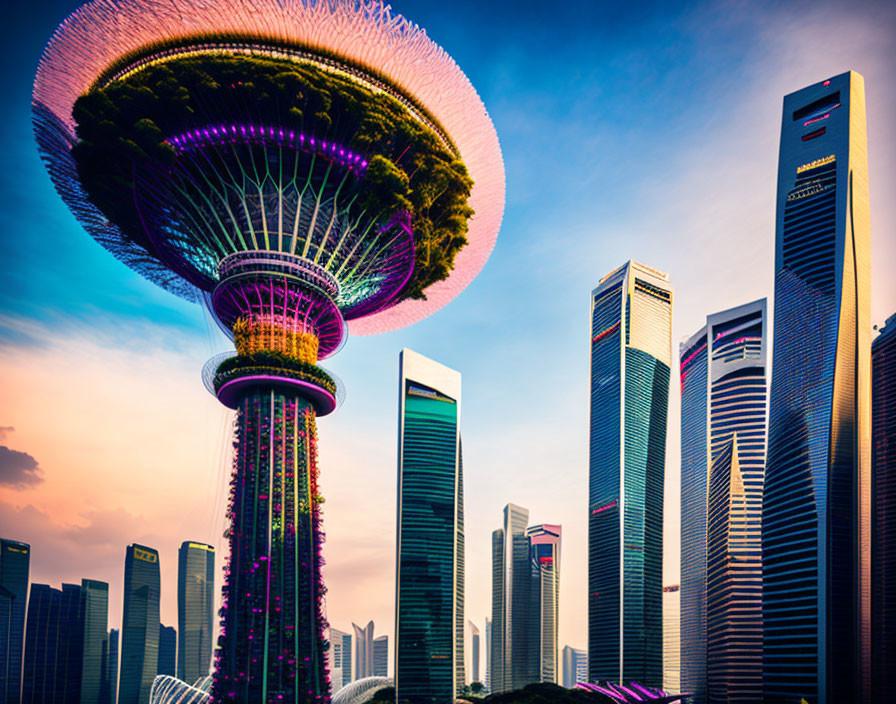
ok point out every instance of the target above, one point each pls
(328, 129)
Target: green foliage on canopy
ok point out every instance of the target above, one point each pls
(124, 126)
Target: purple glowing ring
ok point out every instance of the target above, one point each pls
(323, 401)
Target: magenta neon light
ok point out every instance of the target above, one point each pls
(610, 505)
(691, 356)
(606, 332)
(224, 134)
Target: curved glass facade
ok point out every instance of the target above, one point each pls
(815, 514)
(724, 395)
(630, 357)
(694, 474)
(427, 566)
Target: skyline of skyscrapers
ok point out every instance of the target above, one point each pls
(195, 609)
(15, 562)
(523, 631)
(140, 623)
(883, 534)
(53, 645)
(631, 347)
(723, 395)
(429, 579)
(816, 500)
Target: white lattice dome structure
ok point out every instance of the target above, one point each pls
(170, 690)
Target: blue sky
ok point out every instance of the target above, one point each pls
(644, 131)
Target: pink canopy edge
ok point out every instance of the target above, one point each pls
(365, 31)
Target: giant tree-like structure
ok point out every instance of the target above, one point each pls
(305, 167)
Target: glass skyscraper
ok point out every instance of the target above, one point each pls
(339, 659)
(140, 625)
(631, 345)
(363, 656)
(883, 542)
(816, 513)
(575, 666)
(15, 563)
(53, 646)
(381, 656)
(195, 609)
(723, 395)
(488, 654)
(111, 673)
(429, 584)
(525, 602)
(167, 651)
(95, 616)
(672, 638)
(474, 652)
(544, 605)
(511, 584)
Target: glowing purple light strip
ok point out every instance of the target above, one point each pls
(610, 505)
(223, 134)
(316, 393)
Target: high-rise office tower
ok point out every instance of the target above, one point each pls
(110, 669)
(575, 666)
(41, 642)
(427, 645)
(381, 656)
(816, 512)
(511, 582)
(167, 651)
(544, 595)
(883, 540)
(525, 601)
(95, 616)
(488, 655)
(734, 567)
(140, 625)
(15, 562)
(474, 652)
(339, 659)
(671, 638)
(195, 609)
(460, 678)
(53, 646)
(363, 658)
(70, 654)
(631, 314)
(723, 394)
